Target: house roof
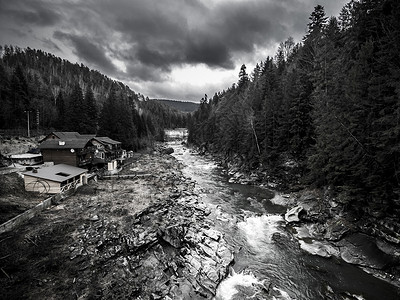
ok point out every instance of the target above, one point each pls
(57, 173)
(105, 139)
(66, 135)
(72, 140)
(64, 144)
(69, 135)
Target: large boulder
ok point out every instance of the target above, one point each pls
(319, 248)
(361, 249)
(168, 150)
(294, 214)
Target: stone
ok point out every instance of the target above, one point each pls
(213, 234)
(94, 218)
(293, 215)
(207, 250)
(336, 229)
(361, 249)
(168, 150)
(319, 248)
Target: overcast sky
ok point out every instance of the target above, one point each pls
(174, 49)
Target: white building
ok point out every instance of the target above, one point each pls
(54, 179)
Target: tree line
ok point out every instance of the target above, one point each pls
(330, 103)
(59, 95)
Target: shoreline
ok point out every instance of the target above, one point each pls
(143, 237)
(322, 225)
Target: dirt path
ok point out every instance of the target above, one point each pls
(139, 238)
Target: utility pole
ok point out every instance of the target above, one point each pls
(29, 132)
(37, 121)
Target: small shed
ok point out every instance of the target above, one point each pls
(54, 179)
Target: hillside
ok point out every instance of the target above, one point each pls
(56, 94)
(324, 111)
(183, 106)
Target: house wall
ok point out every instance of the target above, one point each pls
(60, 156)
(112, 165)
(33, 184)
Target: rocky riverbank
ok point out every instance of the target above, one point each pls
(322, 223)
(144, 236)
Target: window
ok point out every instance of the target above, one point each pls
(63, 174)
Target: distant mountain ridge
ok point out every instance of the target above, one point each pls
(181, 105)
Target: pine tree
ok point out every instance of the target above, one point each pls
(60, 105)
(243, 77)
(116, 121)
(90, 112)
(75, 114)
(19, 94)
(6, 107)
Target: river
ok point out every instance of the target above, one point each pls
(269, 263)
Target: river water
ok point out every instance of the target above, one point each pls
(269, 263)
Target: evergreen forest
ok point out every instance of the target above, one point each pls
(58, 95)
(328, 106)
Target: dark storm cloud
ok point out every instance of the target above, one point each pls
(167, 33)
(87, 50)
(51, 45)
(146, 40)
(157, 57)
(141, 72)
(30, 12)
(213, 51)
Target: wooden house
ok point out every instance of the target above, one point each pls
(106, 151)
(67, 135)
(54, 179)
(69, 148)
(79, 150)
(71, 152)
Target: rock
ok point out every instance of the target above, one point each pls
(361, 249)
(319, 248)
(293, 215)
(167, 150)
(336, 229)
(207, 250)
(213, 234)
(94, 218)
(173, 235)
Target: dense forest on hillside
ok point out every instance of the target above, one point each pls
(184, 106)
(330, 104)
(59, 95)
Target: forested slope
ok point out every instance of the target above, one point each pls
(60, 95)
(184, 106)
(330, 104)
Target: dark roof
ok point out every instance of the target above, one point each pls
(66, 135)
(73, 140)
(64, 144)
(57, 173)
(107, 140)
(88, 136)
(69, 135)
